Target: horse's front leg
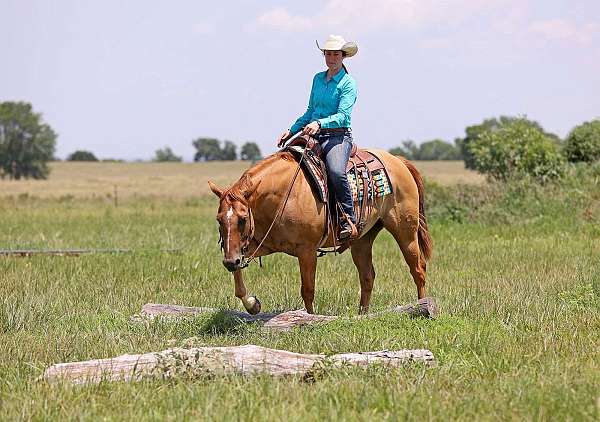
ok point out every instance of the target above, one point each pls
(251, 303)
(308, 268)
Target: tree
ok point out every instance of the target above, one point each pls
(26, 142)
(515, 148)
(207, 149)
(228, 152)
(430, 150)
(81, 155)
(408, 150)
(250, 151)
(438, 150)
(583, 143)
(491, 125)
(166, 155)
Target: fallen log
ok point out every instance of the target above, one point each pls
(425, 307)
(244, 360)
(281, 321)
(25, 253)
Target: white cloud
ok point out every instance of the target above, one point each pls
(360, 14)
(564, 30)
(280, 18)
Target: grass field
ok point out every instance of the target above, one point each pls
(170, 180)
(517, 339)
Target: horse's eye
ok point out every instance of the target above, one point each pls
(241, 221)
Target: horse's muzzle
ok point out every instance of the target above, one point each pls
(232, 264)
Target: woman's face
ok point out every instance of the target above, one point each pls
(333, 59)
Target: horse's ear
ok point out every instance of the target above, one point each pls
(216, 190)
(249, 191)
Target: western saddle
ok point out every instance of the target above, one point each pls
(367, 178)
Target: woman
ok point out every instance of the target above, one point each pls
(327, 119)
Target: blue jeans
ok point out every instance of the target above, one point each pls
(336, 148)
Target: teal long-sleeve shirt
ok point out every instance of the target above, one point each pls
(330, 101)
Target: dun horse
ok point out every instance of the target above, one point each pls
(253, 204)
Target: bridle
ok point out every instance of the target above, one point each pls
(246, 238)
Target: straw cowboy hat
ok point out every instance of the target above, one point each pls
(337, 42)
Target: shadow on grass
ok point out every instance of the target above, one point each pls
(230, 321)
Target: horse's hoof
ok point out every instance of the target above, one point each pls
(255, 305)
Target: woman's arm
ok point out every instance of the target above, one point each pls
(305, 118)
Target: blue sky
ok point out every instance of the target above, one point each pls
(122, 79)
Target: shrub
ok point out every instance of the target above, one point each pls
(583, 143)
(81, 155)
(490, 125)
(166, 155)
(517, 148)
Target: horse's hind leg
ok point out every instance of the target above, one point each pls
(363, 259)
(408, 241)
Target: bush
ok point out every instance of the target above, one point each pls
(583, 143)
(572, 200)
(166, 155)
(82, 156)
(490, 125)
(517, 148)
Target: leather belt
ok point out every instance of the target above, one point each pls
(327, 131)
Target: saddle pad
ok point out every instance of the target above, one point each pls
(380, 185)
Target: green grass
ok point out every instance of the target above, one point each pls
(517, 337)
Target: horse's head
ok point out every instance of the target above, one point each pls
(236, 222)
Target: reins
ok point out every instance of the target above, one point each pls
(247, 261)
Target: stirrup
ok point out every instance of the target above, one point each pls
(349, 232)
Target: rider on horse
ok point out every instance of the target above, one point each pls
(328, 119)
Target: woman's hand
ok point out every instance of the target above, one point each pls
(311, 128)
(284, 137)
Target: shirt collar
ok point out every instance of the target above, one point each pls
(338, 76)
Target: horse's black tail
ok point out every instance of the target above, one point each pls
(425, 242)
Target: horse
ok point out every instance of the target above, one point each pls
(272, 208)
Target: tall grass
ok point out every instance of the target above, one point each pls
(517, 277)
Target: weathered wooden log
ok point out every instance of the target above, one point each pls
(244, 360)
(425, 307)
(288, 320)
(24, 253)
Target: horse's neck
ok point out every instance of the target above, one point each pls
(273, 178)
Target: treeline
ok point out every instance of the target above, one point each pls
(507, 146)
(211, 149)
(500, 147)
(207, 149)
(27, 143)
(430, 150)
